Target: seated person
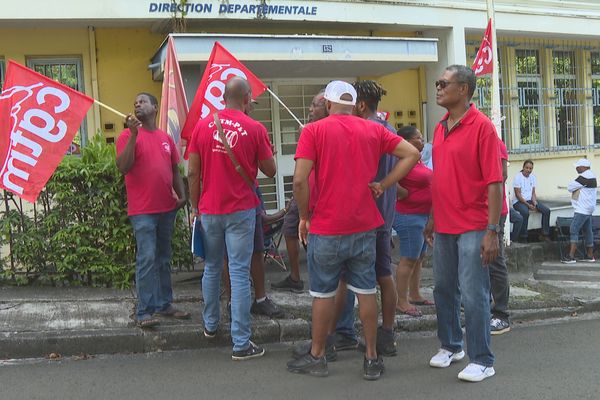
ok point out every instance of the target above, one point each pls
(517, 221)
(525, 201)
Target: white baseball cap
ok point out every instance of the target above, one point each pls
(583, 162)
(336, 89)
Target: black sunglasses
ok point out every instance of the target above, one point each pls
(443, 83)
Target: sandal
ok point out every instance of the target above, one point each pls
(172, 312)
(422, 303)
(411, 312)
(147, 323)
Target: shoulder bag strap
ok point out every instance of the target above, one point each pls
(234, 160)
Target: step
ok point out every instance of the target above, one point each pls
(567, 274)
(578, 266)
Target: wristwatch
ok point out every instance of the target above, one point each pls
(494, 228)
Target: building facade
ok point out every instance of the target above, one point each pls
(549, 53)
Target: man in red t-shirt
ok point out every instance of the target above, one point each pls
(226, 204)
(466, 199)
(344, 151)
(149, 160)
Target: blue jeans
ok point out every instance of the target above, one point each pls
(153, 234)
(458, 272)
(524, 211)
(517, 222)
(582, 222)
(500, 287)
(345, 324)
(236, 231)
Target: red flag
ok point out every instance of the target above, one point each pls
(483, 64)
(39, 118)
(383, 115)
(221, 67)
(173, 104)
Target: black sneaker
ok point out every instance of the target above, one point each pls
(568, 260)
(373, 368)
(386, 343)
(268, 308)
(253, 351)
(210, 334)
(289, 284)
(589, 259)
(344, 342)
(304, 348)
(499, 326)
(307, 364)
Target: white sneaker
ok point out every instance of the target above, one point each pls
(476, 373)
(443, 358)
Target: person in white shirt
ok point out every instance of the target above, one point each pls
(583, 198)
(526, 200)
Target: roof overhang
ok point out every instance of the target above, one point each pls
(304, 56)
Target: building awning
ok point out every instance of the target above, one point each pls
(305, 56)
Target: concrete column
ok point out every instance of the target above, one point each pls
(451, 50)
(584, 80)
(513, 136)
(548, 97)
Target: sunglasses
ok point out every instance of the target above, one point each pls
(443, 83)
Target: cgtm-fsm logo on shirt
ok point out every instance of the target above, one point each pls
(231, 129)
(166, 147)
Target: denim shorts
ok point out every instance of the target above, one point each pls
(291, 220)
(383, 255)
(329, 255)
(409, 228)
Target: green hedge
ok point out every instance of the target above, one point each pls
(81, 234)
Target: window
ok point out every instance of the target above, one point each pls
(284, 133)
(595, 57)
(566, 99)
(298, 99)
(67, 71)
(529, 91)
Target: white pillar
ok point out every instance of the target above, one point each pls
(452, 49)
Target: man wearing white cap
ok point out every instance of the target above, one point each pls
(344, 151)
(583, 199)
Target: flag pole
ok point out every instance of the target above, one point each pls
(496, 116)
(286, 107)
(496, 113)
(109, 108)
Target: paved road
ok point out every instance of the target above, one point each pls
(559, 361)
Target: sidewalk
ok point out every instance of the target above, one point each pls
(39, 321)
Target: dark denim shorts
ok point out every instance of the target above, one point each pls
(291, 220)
(329, 255)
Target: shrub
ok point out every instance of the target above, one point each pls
(82, 235)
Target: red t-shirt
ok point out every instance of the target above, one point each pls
(418, 184)
(466, 161)
(503, 156)
(224, 191)
(149, 183)
(345, 150)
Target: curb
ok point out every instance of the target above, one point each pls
(189, 336)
